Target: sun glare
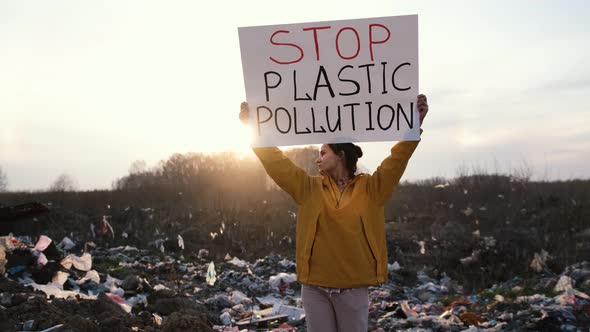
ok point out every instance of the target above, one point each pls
(235, 138)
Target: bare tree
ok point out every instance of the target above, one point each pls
(3, 180)
(305, 158)
(138, 167)
(64, 182)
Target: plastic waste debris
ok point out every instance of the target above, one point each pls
(407, 310)
(160, 287)
(137, 299)
(60, 277)
(471, 259)
(67, 262)
(120, 301)
(489, 241)
(467, 212)
(294, 313)
(82, 263)
(539, 261)
(225, 318)
(288, 278)
(238, 297)
(211, 275)
(284, 328)
(106, 228)
(287, 263)
(42, 244)
(269, 300)
(157, 319)
(66, 244)
(53, 328)
(563, 284)
(226, 329)
(238, 262)
(41, 258)
(56, 291)
(180, 242)
(91, 275)
(393, 267)
(203, 253)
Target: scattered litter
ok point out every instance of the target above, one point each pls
(238, 262)
(82, 263)
(211, 274)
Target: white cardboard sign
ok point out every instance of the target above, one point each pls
(332, 82)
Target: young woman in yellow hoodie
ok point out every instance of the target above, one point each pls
(340, 233)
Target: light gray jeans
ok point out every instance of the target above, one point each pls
(329, 310)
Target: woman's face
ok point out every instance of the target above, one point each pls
(327, 159)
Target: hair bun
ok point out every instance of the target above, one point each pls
(358, 150)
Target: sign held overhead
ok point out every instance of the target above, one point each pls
(332, 82)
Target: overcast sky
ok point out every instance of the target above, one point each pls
(88, 87)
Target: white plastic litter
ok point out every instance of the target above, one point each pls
(294, 313)
(275, 281)
(211, 275)
(43, 243)
(238, 262)
(112, 283)
(238, 297)
(180, 242)
(91, 275)
(422, 247)
(539, 261)
(563, 284)
(135, 300)
(160, 287)
(287, 263)
(82, 263)
(56, 291)
(60, 278)
(41, 259)
(66, 244)
(394, 267)
(107, 226)
(67, 262)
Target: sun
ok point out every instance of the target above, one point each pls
(233, 137)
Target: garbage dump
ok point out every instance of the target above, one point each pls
(461, 259)
(49, 287)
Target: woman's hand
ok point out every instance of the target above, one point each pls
(244, 113)
(422, 107)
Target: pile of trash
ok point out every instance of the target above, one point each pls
(68, 286)
(541, 302)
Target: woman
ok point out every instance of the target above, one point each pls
(340, 234)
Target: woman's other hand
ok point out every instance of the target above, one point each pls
(245, 113)
(422, 107)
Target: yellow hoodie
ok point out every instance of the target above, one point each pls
(340, 237)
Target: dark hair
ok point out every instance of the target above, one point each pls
(352, 153)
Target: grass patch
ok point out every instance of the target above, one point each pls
(512, 294)
(120, 272)
(112, 267)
